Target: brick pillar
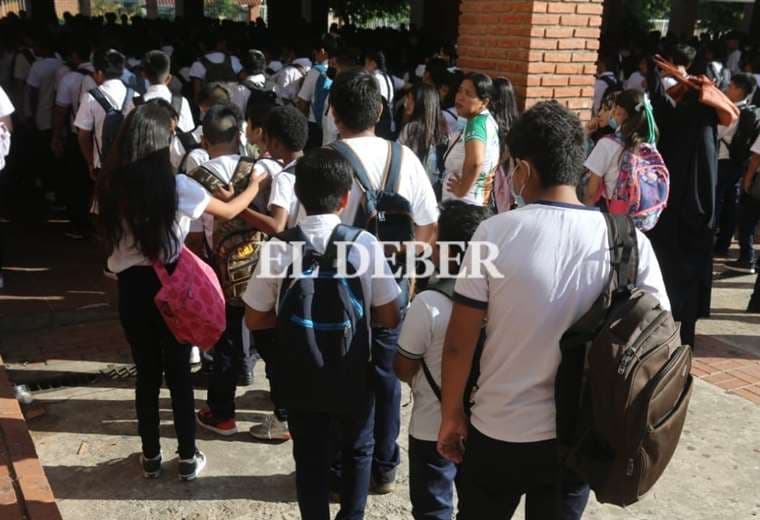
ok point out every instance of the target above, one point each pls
(547, 49)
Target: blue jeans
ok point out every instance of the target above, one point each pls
(313, 451)
(749, 216)
(497, 473)
(431, 482)
(387, 388)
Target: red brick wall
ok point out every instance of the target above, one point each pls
(547, 49)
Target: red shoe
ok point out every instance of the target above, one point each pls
(224, 427)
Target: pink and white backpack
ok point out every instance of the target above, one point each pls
(191, 301)
(642, 188)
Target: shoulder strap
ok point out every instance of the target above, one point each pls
(360, 173)
(624, 253)
(452, 145)
(429, 378)
(341, 233)
(102, 100)
(128, 96)
(176, 103)
(389, 85)
(211, 172)
(394, 170)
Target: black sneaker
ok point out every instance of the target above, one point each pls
(189, 469)
(754, 306)
(741, 266)
(245, 379)
(383, 484)
(151, 467)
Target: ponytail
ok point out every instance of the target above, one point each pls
(640, 127)
(503, 108)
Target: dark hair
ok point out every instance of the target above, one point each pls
(214, 94)
(683, 55)
(355, 99)
(458, 222)
(745, 81)
(551, 137)
(635, 130)
(82, 48)
(483, 85)
(609, 97)
(156, 66)
(323, 177)
(110, 62)
(503, 108)
(379, 58)
(221, 125)
(427, 126)
(137, 192)
(256, 62)
(289, 126)
(610, 62)
(260, 104)
(345, 58)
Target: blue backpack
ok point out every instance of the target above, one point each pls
(323, 358)
(321, 91)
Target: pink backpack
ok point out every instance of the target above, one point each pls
(191, 301)
(642, 187)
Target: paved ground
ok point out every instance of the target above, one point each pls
(58, 326)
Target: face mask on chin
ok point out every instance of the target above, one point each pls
(517, 197)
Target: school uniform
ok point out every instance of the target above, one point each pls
(511, 440)
(329, 129)
(602, 83)
(415, 187)
(186, 123)
(430, 475)
(42, 79)
(241, 93)
(287, 82)
(307, 94)
(90, 116)
(727, 187)
(198, 71)
(312, 432)
(155, 350)
(749, 217)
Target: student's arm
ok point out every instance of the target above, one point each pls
(231, 209)
(592, 189)
(260, 296)
(406, 368)
(8, 122)
(386, 316)
(426, 234)
(474, 159)
(415, 339)
(749, 175)
(257, 320)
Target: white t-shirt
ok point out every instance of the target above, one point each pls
(637, 81)
(224, 168)
(414, 184)
(283, 195)
(262, 294)
(194, 159)
(6, 109)
(241, 93)
(386, 80)
(604, 162)
(68, 92)
(186, 122)
(42, 77)
(733, 61)
(329, 130)
(554, 261)
(422, 337)
(90, 116)
(726, 136)
(198, 71)
(287, 82)
(309, 87)
(192, 201)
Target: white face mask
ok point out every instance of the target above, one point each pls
(517, 197)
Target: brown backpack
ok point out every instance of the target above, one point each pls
(623, 385)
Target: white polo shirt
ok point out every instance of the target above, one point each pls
(262, 294)
(604, 162)
(42, 75)
(90, 116)
(554, 261)
(283, 195)
(241, 93)
(186, 122)
(68, 92)
(414, 184)
(309, 87)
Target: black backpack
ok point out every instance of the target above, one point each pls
(112, 122)
(323, 357)
(384, 127)
(446, 287)
(623, 384)
(384, 212)
(219, 72)
(747, 131)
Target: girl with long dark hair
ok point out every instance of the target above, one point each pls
(426, 130)
(474, 154)
(145, 214)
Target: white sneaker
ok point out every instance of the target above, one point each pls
(189, 469)
(195, 355)
(271, 429)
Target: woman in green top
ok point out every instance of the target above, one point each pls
(474, 155)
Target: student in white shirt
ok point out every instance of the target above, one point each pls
(356, 104)
(288, 82)
(375, 63)
(109, 66)
(255, 65)
(224, 67)
(6, 129)
(141, 169)
(421, 341)
(343, 60)
(156, 68)
(551, 263)
(312, 96)
(734, 58)
(606, 77)
(323, 182)
(731, 169)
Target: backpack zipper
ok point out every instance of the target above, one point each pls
(631, 352)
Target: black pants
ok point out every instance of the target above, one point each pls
(77, 186)
(496, 474)
(229, 362)
(315, 136)
(749, 217)
(156, 353)
(265, 343)
(726, 194)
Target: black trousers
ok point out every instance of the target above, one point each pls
(229, 362)
(77, 186)
(497, 473)
(156, 353)
(265, 342)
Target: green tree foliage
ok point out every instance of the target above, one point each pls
(225, 9)
(718, 18)
(362, 11)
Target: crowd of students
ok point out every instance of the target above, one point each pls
(151, 142)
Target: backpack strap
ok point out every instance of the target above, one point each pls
(129, 95)
(250, 85)
(360, 172)
(624, 253)
(429, 378)
(176, 103)
(341, 233)
(393, 178)
(102, 100)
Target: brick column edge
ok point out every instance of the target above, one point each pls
(547, 49)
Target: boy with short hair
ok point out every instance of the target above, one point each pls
(421, 342)
(254, 66)
(323, 182)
